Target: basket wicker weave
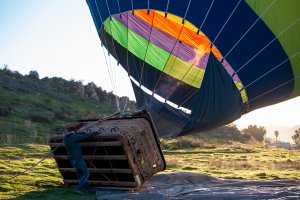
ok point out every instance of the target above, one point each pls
(124, 155)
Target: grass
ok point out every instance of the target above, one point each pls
(42, 182)
(237, 162)
(35, 119)
(31, 109)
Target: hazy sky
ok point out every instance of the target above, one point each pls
(58, 38)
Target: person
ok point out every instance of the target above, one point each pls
(72, 144)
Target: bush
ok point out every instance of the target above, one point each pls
(257, 132)
(5, 110)
(41, 118)
(33, 75)
(44, 106)
(37, 139)
(60, 115)
(183, 143)
(59, 96)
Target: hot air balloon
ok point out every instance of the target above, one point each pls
(199, 64)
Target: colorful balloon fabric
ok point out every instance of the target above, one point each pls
(199, 64)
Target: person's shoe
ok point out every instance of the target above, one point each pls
(78, 192)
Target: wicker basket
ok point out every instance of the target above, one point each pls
(124, 155)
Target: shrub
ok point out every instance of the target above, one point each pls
(257, 132)
(183, 143)
(33, 75)
(5, 110)
(60, 115)
(41, 118)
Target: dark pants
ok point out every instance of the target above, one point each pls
(82, 172)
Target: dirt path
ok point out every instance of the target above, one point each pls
(185, 185)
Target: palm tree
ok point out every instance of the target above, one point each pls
(296, 137)
(276, 134)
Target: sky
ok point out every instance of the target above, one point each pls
(58, 38)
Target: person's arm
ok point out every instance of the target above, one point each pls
(80, 137)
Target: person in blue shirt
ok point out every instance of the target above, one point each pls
(72, 144)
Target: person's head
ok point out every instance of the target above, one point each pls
(68, 134)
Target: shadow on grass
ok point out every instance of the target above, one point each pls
(65, 193)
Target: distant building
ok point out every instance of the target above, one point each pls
(284, 145)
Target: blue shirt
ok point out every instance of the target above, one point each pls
(72, 144)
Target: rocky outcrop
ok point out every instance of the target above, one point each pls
(126, 104)
(80, 91)
(61, 88)
(90, 91)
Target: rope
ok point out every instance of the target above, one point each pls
(177, 39)
(108, 66)
(127, 44)
(182, 79)
(272, 69)
(275, 88)
(99, 13)
(113, 68)
(110, 69)
(132, 7)
(166, 13)
(22, 173)
(111, 81)
(282, 32)
(125, 105)
(135, 65)
(250, 28)
(193, 94)
(206, 15)
(199, 28)
(187, 9)
(119, 6)
(141, 76)
(87, 127)
(227, 21)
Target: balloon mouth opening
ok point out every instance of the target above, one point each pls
(160, 98)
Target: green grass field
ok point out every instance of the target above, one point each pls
(234, 162)
(237, 163)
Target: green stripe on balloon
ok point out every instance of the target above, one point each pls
(154, 55)
(289, 12)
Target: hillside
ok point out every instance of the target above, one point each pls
(31, 109)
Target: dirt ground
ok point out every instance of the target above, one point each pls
(186, 185)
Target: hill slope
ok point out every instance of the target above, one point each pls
(31, 108)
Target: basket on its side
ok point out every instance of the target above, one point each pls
(124, 155)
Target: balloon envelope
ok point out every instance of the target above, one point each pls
(215, 59)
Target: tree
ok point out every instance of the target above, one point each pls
(33, 75)
(296, 136)
(5, 66)
(257, 132)
(276, 134)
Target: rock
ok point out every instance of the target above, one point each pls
(80, 90)
(126, 104)
(91, 89)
